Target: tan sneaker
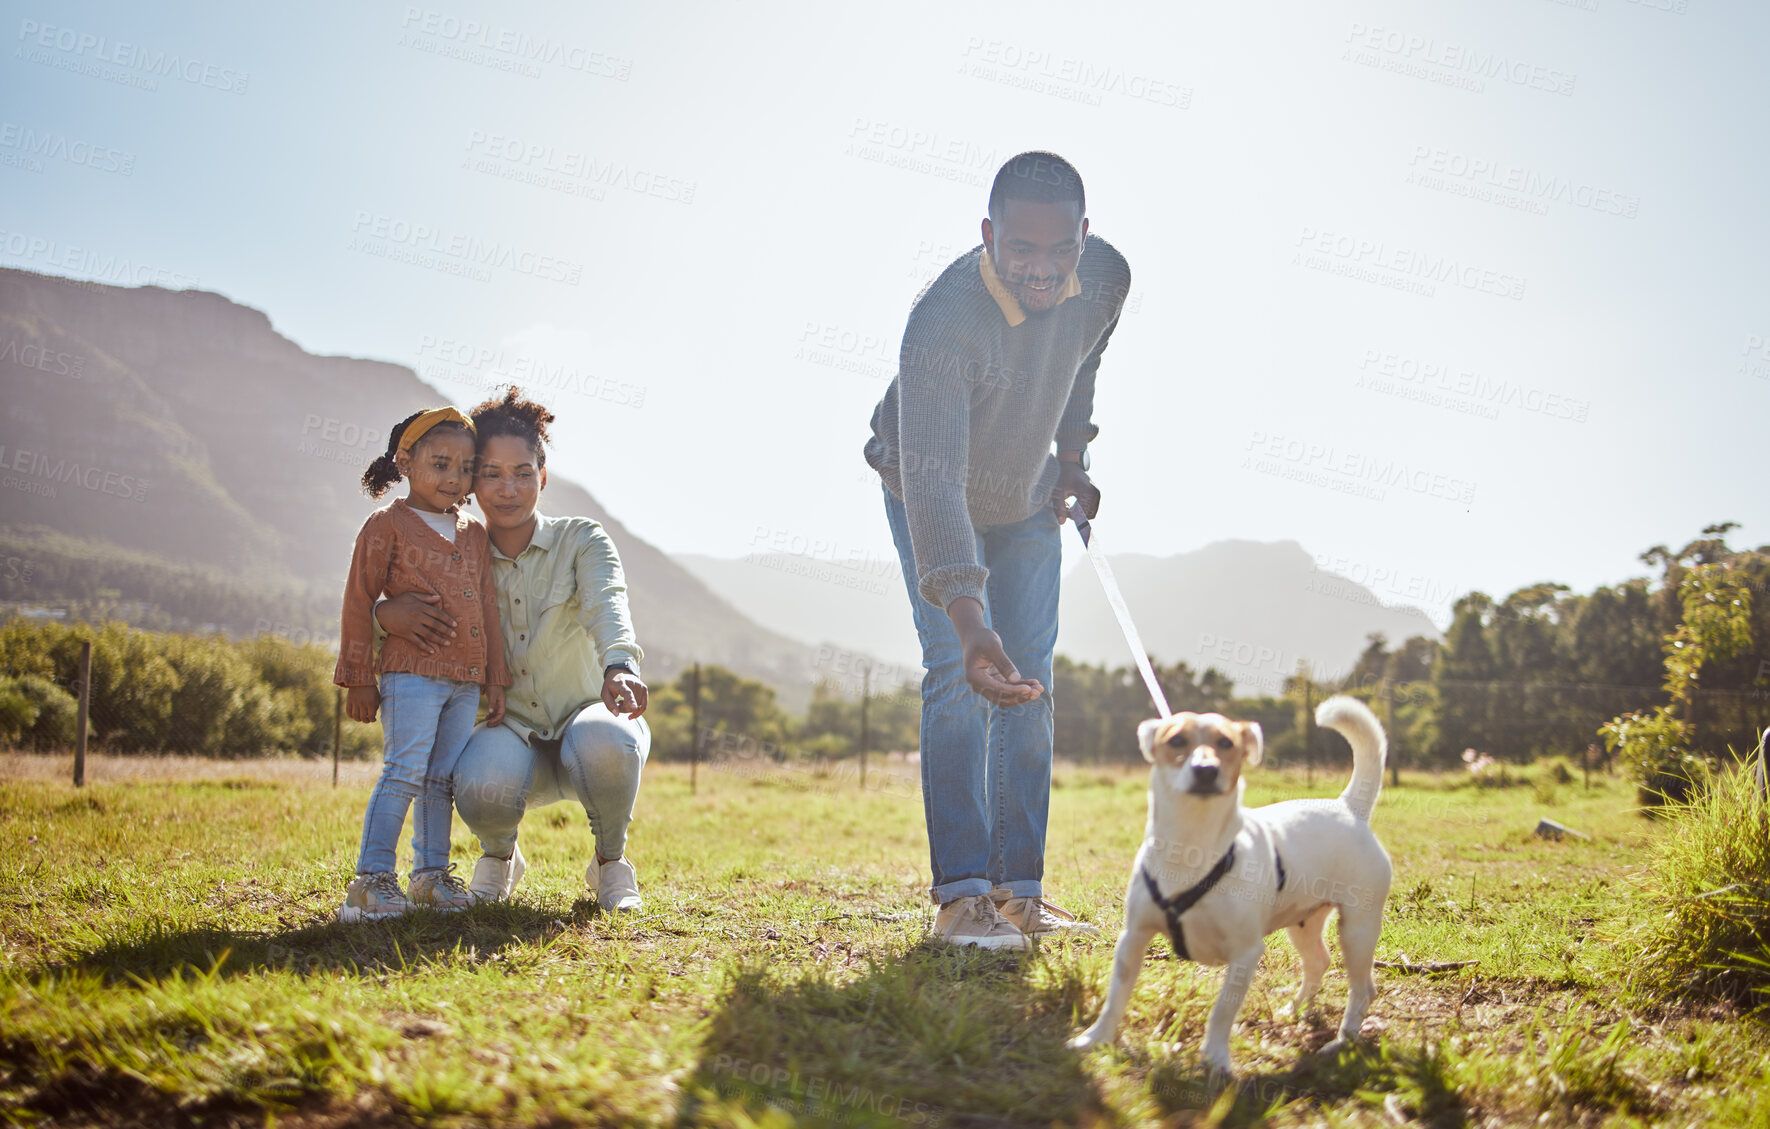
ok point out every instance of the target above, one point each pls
(441, 889)
(373, 897)
(494, 879)
(1038, 918)
(976, 921)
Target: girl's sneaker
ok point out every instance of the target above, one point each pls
(371, 897)
(441, 889)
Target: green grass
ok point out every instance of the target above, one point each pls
(171, 958)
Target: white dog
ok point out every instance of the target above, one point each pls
(1218, 877)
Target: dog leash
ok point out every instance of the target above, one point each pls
(1117, 600)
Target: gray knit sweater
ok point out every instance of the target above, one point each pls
(965, 430)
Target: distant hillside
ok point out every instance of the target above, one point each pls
(855, 604)
(181, 426)
(1250, 609)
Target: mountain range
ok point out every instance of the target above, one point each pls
(149, 428)
(1251, 609)
(180, 425)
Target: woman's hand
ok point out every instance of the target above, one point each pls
(494, 705)
(361, 702)
(623, 693)
(417, 619)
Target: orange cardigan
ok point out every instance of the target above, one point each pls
(397, 553)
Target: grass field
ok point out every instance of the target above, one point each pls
(171, 958)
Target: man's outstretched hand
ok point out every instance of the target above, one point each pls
(1073, 482)
(987, 669)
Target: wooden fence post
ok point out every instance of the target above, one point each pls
(85, 707)
(1763, 791)
(337, 732)
(1389, 732)
(1308, 727)
(866, 689)
(694, 749)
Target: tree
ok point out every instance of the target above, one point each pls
(1660, 745)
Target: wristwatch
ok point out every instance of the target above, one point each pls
(1082, 460)
(612, 667)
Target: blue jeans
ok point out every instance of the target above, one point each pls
(986, 770)
(600, 756)
(425, 723)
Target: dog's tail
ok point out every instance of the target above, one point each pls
(1353, 720)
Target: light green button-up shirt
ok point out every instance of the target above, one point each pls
(563, 603)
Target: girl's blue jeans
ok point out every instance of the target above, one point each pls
(986, 770)
(425, 723)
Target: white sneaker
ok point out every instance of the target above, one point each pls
(441, 889)
(1036, 917)
(494, 879)
(977, 921)
(373, 897)
(616, 883)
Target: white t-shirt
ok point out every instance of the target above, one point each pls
(442, 523)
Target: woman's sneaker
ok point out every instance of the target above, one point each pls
(495, 878)
(441, 889)
(977, 921)
(616, 884)
(371, 897)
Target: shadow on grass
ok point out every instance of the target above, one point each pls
(935, 1037)
(154, 951)
(1413, 1087)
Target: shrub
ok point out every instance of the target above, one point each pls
(167, 693)
(35, 713)
(1654, 748)
(1707, 884)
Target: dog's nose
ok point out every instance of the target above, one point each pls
(1204, 774)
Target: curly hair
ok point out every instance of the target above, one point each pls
(514, 414)
(384, 471)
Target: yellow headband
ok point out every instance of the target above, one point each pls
(415, 430)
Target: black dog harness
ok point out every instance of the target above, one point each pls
(1173, 907)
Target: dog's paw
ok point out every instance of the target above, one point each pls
(1333, 1049)
(1297, 1010)
(1086, 1041)
(1217, 1066)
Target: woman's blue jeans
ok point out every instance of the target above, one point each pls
(986, 770)
(598, 761)
(425, 723)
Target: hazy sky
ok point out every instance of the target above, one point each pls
(1456, 295)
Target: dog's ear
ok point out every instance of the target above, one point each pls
(1255, 740)
(1146, 737)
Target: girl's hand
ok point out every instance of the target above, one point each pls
(494, 705)
(361, 702)
(624, 694)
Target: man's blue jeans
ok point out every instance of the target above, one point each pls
(425, 723)
(500, 776)
(986, 771)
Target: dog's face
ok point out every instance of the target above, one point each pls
(1201, 754)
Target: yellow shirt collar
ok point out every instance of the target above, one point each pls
(1005, 298)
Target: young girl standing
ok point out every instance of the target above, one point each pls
(421, 543)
